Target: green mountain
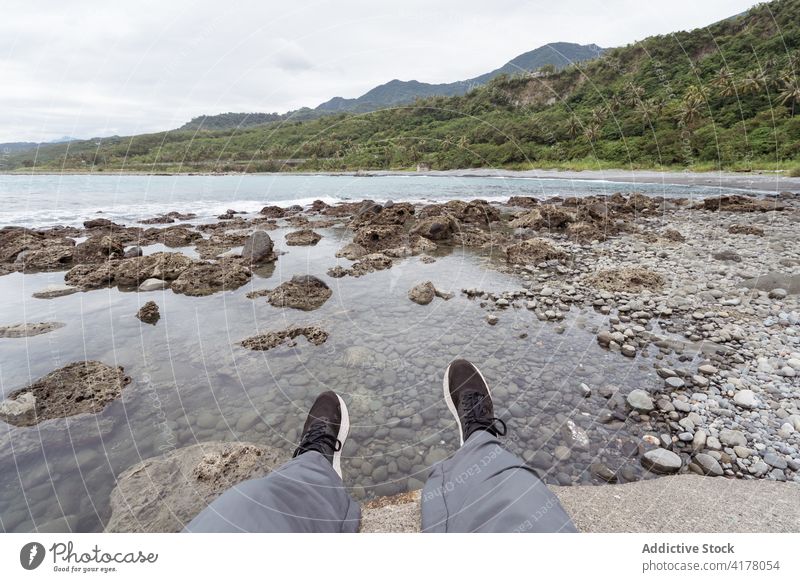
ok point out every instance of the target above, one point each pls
(396, 92)
(722, 96)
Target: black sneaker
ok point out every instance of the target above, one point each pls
(467, 396)
(326, 428)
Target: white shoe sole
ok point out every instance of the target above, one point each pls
(344, 429)
(449, 399)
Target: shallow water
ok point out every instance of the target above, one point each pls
(386, 355)
(47, 200)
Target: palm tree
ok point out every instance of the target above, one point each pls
(573, 126)
(690, 112)
(592, 131)
(790, 94)
(724, 82)
(634, 94)
(648, 110)
(753, 82)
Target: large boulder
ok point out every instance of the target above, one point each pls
(379, 237)
(273, 212)
(164, 493)
(304, 292)
(258, 249)
(303, 237)
(88, 277)
(80, 387)
(98, 249)
(164, 266)
(438, 228)
(205, 278)
(172, 236)
(23, 249)
(533, 251)
(661, 461)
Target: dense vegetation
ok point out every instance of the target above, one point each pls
(722, 96)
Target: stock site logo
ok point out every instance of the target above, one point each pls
(31, 555)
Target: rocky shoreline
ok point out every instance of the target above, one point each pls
(703, 293)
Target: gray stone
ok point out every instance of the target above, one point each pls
(674, 382)
(708, 465)
(153, 284)
(699, 440)
(776, 461)
(206, 420)
(778, 293)
(661, 461)
(22, 405)
(258, 248)
(640, 401)
(562, 453)
(732, 438)
(435, 455)
(247, 420)
(745, 399)
(574, 436)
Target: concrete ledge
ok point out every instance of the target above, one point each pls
(683, 503)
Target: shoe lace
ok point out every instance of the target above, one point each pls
(475, 408)
(317, 438)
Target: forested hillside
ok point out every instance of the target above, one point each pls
(722, 96)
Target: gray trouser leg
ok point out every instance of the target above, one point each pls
(484, 488)
(303, 495)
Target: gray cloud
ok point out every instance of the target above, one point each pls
(98, 68)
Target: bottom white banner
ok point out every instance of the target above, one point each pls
(399, 556)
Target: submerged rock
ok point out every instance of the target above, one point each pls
(368, 264)
(163, 494)
(29, 329)
(422, 293)
(153, 284)
(305, 292)
(206, 278)
(351, 252)
(80, 387)
(266, 341)
(53, 291)
(164, 266)
(149, 313)
(88, 277)
(303, 237)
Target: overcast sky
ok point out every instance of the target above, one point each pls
(98, 68)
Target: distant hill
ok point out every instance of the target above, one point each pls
(230, 120)
(396, 92)
(21, 146)
(17, 146)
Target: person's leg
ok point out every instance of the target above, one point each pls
(483, 487)
(304, 495)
